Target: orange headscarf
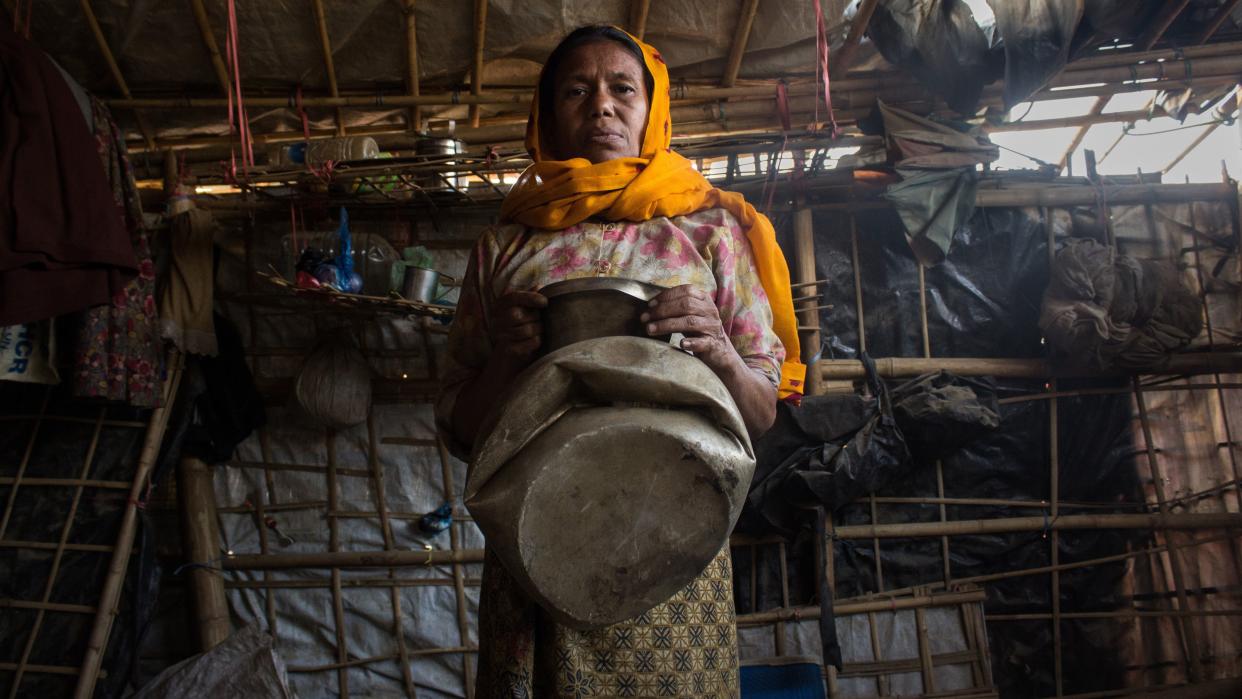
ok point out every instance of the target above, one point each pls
(556, 194)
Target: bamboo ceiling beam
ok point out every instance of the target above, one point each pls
(638, 17)
(741, 35)
(1213, 25)
(411, 64)
(1223, 112)
(476, 70)
(845, 55)
(213, 49)
(321, 24)
(1161, 24)
(115, 69)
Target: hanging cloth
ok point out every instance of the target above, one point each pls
(557, 194)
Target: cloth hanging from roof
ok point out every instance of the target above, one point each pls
(63, 243)
(937, 192)
(1036, 36)
(186, 297)
(557, 194)
(1108, 311)
(117, 351)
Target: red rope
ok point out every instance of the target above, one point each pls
(237, 114)
(821, 47)
(18, 27)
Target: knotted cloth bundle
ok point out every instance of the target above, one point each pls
(609, 477)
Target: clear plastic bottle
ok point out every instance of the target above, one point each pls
(322, 150)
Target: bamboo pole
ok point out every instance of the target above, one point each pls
(334, 546)
(804, 257)
(741, 35)
(896, 367)
(476, 70)
(326, 583)
(844, 56)
(1225, 111)
(1194, 668)
(21, 466)
(1213, 25)
(911, 530)
(858, 300)
(325, 45)
(209, 42)
(351, 559)
(1161, 23)
(109, 598)
(201, 538)
(47, 606)
(795, 614)
(463, 622)
(412, 79)
(52, 546)
(638, 17)
(57, 558)
(114, 69)
(925, 654)
(394, 596)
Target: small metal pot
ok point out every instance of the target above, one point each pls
(584, 309)
(420, 284)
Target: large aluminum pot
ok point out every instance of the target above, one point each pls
(610, 477)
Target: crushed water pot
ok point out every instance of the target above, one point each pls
(610, 477)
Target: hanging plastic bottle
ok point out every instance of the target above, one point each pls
(320, 151)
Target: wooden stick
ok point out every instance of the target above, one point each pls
(913, 530)
(57, 557)
(325, 45)
(948, 599)
(359, 662)
(52, 546)
(269, 482)
(476, 71)
(463, 620)
(73, 420)
(47, 606)
(858, 298)
(844, 56)
(896, 367)
(1120, 614)
(381, 504)
(351, 559)
(110, 597)
(334, 545)
(21, 466)
(67, 482)
(804, 258)
(1213, 25)
(638, 17)
(925, 655)
(881, 680)
(345, 582)
(209, 42)
(201, 537)
(411, 64)
(1194, 668)
(113, 68)
(1161, 23)
(741, 34)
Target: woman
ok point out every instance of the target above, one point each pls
(607, 197)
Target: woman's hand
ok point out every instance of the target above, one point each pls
(516, 328)
(692, 312)
(688, 310)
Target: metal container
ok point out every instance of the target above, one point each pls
(421, 284)
(437, 150)
(591, 307)
(610, 477)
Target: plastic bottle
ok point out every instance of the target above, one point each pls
(336, 149)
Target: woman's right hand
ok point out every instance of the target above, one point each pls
(517, 332)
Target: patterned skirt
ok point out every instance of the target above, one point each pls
(686, 646)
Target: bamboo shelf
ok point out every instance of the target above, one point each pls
(281, 293)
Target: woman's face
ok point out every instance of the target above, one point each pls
(600, 104)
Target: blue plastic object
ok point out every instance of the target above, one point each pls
(349, 280)
(437, 520)
(783, 681)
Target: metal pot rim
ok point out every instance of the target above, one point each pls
(643, 291)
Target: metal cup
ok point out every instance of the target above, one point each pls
(420, 284)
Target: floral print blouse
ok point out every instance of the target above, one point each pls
(707, 249)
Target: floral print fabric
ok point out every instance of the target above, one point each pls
(117, 355)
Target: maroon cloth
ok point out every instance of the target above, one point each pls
(63, 243)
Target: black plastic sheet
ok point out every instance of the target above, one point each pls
(983, 301)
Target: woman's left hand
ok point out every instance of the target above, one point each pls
(688, 310)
